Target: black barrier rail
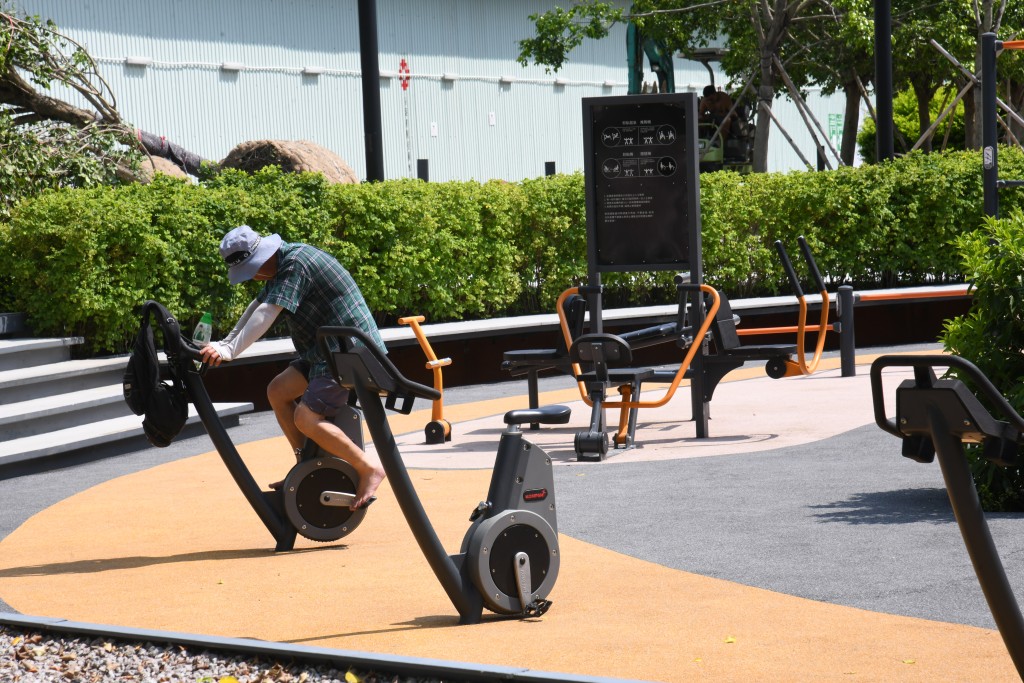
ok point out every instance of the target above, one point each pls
(383, 665)
(936, 417)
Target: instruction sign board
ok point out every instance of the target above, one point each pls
(641, 170)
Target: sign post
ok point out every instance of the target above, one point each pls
(641, 168)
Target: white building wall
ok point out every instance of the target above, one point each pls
(456, 111)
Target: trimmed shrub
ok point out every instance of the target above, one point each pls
(81, 261)
(991, 335)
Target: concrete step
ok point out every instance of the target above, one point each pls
(77, 438)
(53, 413)
(24, 353)
(28, 383)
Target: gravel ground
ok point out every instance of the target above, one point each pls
(28, 657)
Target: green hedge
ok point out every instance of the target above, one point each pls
(991, 335)
(81, 261)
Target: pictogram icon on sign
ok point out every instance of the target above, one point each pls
(403, 73)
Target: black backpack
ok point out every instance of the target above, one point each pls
(164, 404)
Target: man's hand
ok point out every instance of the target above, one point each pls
(211, 355)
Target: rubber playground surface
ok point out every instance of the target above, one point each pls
(793, 544)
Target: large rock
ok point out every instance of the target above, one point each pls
(152, 165)
(293, 156)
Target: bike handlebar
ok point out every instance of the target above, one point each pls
(983, 383)
(794, 281)
(811, 264)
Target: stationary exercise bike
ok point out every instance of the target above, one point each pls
(315, 496)
(509, 557)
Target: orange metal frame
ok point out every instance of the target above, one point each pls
(626, 404)
(433, 363)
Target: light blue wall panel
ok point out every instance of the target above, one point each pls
(456, 112)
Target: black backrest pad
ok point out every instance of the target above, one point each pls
(575, 308)
(601, 348)
(723, 329)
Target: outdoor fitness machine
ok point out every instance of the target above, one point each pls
(800, 366)
(938, 416)
(509, 558)
(597, 351)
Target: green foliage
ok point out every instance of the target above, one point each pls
(950, 134)
(40, 152)
(560, 31)
(991, 335)
(553, 240)
(443, 249)
(44, 157)
(81, 261)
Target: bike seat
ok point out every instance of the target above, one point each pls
(547, 415)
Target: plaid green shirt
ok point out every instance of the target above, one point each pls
(315, 290)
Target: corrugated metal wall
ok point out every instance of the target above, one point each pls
(456, 111)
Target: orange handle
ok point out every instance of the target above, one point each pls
(433, 364)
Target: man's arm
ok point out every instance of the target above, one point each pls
(253, 324)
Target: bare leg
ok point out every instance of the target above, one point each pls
(330, 437)
(283, 392)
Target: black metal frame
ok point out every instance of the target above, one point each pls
(268, 505)
(933, 418)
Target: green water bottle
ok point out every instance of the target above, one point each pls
(203, 333)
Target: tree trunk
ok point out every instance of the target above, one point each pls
(924, 93)
(28, 106)
(763, 126)
(970, 119)
(1016, 100)
(973, 103)
(851, 122)
(159, 146)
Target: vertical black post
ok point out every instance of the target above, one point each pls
(700, 406)
(549, 168)
(423, 169)
(596, 305)
(989, 153)
(370, 64)
(847, 343)
(883, 80)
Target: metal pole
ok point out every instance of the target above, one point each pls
(370, 64)
(990, 161)
(847, 344)
(883, 80)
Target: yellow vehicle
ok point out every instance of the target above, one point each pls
(725, 126)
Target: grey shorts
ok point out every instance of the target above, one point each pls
(324, 396)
